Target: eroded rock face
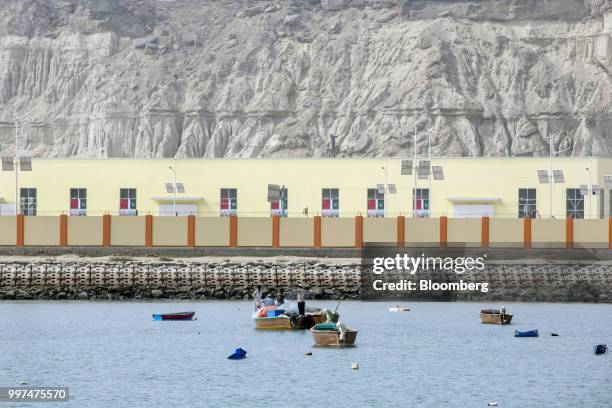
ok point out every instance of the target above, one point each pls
(259, 78)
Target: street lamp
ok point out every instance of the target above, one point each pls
(16, 163)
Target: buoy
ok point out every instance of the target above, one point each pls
(238, 354)
(23, 382)
(554, 334)
(601, 349)
(308, 353)
(492, 404)
(355, 366)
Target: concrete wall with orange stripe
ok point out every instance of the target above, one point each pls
(306, 232)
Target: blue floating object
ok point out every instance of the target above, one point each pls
(600, 349)
(530, 333)
(238, 354)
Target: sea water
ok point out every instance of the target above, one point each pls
(436, 355)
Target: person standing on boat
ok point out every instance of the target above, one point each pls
(301, 294)
(257, 298)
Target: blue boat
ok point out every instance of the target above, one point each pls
(530, 333)
(600, 349)
(238, 354)
(174, 316)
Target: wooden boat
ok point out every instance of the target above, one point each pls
(530, 333)
(284, 322)
(495, 316)
(399, 309)
(174, 316)
(332, 337)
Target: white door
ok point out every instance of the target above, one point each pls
(182, 209)
(473, 210)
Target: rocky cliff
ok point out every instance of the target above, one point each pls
(268, 78)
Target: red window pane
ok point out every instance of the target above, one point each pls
(274, 205)
(326, 204)
(74, 203)
(224, 204)
(123, 204)
(371, 204)
(419, 204)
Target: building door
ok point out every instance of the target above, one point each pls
(473, 210)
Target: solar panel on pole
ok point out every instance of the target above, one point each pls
(25, 163)
(558, 176)
(180, 188)
(423, 169)
(392, 189)
(274, 192)
(543, 176)
(380, 188)
(7, 163)
(438, 173)
(169, 188)
(584, 189)
(406, 168)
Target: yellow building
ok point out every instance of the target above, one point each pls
(455, 187)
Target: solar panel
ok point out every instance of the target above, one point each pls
(543, 176)
(274, 192)
(608, 181)
(25, 163)
(596, 188)
(558, 176)
(169, 188)
(180, 188)
(423, 169)
(584, 189)
(380, 188)
(438, 173)
(406, 167)
(7, 163)
(392, 189)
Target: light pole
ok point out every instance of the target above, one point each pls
(173, 168)
(17, 203)
(590, 190)
(415, 168)
(552, 153)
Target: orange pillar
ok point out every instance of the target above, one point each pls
(358, 231)
(63, 230)
(485, 232)
(317, 231)
(443, 231)
(610, 233)
(106, 230)
(275, 231)
(401, 235)
(569, 232)
(527, 232)
(20, 229)
(233, 226)
(149, 230)
(191, 230)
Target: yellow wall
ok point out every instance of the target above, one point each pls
(422, 231)
(548, 233)
(128, 231)
(170, 231)
(337, 232)
(84, 230)
(211, 231)
(506, 232)
(464, 232)
(380, 230)
(8, 230)
(41, 230)
(471, 178)
(591, 233)
(296, 232)
(255, 231)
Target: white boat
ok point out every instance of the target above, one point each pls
(399, 309)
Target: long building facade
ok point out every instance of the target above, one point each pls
(335, 187)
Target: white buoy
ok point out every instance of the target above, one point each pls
(355, 366)
(24, 382)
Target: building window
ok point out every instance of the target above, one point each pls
(330, 205)
(78, 201)
(229, 201)
(527, 203)
(27, 202)
(127, 201)
(420, 202)
(275, 206)
(376, 203)
(574, 203)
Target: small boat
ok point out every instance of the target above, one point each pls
(174, 316)
(600, 349)
(332, 337)
(495, 316)
(291, 322)
(399, 309)
(530, 333)
(238, 354)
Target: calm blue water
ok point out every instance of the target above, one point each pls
(438, 355)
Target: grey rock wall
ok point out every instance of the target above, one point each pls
(269, 78)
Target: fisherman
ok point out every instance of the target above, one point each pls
(257, 298)
(300, 294)
(280, 297)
